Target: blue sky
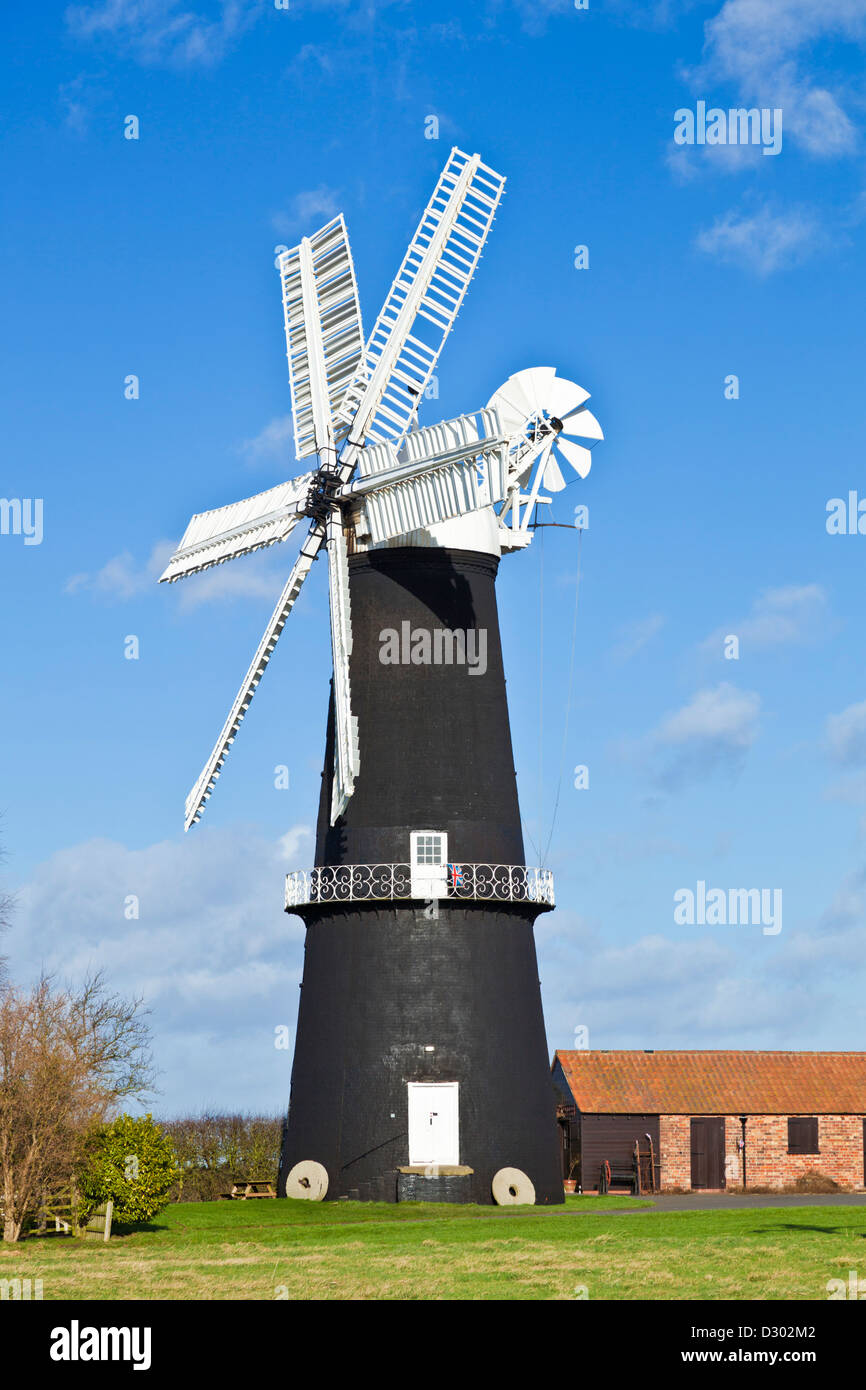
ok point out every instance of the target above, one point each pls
(155, 257)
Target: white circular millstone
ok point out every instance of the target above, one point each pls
(511, 1188)
(308, 1181)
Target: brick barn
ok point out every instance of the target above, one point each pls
(700, 1118)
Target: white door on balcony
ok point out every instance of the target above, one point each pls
(434, 1128)
(428, 857)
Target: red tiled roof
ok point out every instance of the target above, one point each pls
(716, 1083)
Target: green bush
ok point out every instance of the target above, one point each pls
(132, 1163)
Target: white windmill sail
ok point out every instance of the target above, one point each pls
(323, 324)
(330, 317)
(382, 399)
(377, 458)
(323, 335)
(226, 532)
(342, 397)
(443, 471)
(464, 437)
(450, 435)
(210, 772)
(346, 754)
(439, 495)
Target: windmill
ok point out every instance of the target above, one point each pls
(419, 857)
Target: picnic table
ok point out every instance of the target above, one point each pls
(245, 1190)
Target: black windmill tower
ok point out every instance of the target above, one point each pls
(421, 1064)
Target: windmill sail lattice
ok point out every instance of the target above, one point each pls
(238, 529)
(397, 365)
(323, 319)
(195, 802)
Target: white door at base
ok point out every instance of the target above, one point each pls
(434, 1133)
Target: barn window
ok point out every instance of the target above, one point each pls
(803, 1134)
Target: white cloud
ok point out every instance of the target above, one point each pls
(76, 101)
(213, 954)
(256, 576)
(686, 162)
(724, 714)
(163, 32)
(791, 614)
(273, 442)
(260, 575)
(769, 49)
(713, 732)
(121, 577)
(292, 843)
(846, 735)
(698, 989)
(763, 241)
(312, 205)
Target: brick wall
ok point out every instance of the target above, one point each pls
(675, 1151)
(768, 1163)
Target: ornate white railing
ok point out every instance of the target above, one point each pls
(343, 883)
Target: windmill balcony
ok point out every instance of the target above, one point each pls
(344, 883)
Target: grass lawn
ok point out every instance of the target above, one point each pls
(345, 1250)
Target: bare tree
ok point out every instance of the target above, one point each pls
(67, 1057)
(7, 902)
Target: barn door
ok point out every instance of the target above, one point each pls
(708, 1152)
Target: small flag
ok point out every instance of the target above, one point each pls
(456, 875)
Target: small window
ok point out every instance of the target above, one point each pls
(429, 847)
(803, 1134)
